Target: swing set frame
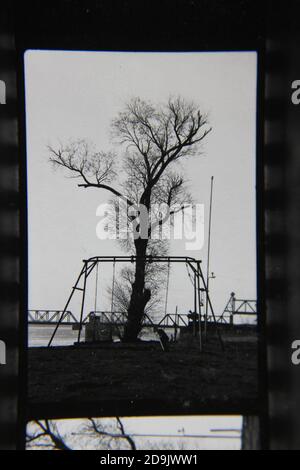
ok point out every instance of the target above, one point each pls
(198, 282)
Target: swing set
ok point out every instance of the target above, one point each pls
(194, 272)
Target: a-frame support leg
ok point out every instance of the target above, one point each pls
(83, 299)
(210, 305)
(66, 306)
(86, 271)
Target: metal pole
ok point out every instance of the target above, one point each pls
(176, 323)
(82, 303)
(113, 288)
(167, 288)
(212, 310)
(199, 305)
(66, 306)
(208, 256)
(232, 308)
(96, 290)
(195, 305)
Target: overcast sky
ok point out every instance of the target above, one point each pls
(76, 95)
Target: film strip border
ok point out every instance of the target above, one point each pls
(282, 209)
(10, 361)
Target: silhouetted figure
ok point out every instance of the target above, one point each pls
(164, 338)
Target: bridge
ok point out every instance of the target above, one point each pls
(234, 307)
(240, 307)
(52, 317)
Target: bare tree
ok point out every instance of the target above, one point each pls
(112, 437)
(155, 139)
(46, 435)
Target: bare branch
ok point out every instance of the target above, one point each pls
(160, 135)
(48, 436)
(97, 429)
(96, 169)
(126, 436)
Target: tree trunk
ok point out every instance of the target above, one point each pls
(139, 296)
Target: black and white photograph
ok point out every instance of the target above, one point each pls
(149, 207)
(142, 233)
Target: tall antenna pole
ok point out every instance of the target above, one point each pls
(208, 254)
(96, 289)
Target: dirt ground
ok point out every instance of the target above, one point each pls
(141, 379)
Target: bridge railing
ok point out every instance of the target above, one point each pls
(174, 319)
(117, 318)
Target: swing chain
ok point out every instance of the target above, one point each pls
(167, 288)
(113, 287)
(96, 289)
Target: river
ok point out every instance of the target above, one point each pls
(39, 335)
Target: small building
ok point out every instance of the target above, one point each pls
(96, 331)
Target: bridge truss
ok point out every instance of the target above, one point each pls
(36, 317)
(238, 307)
